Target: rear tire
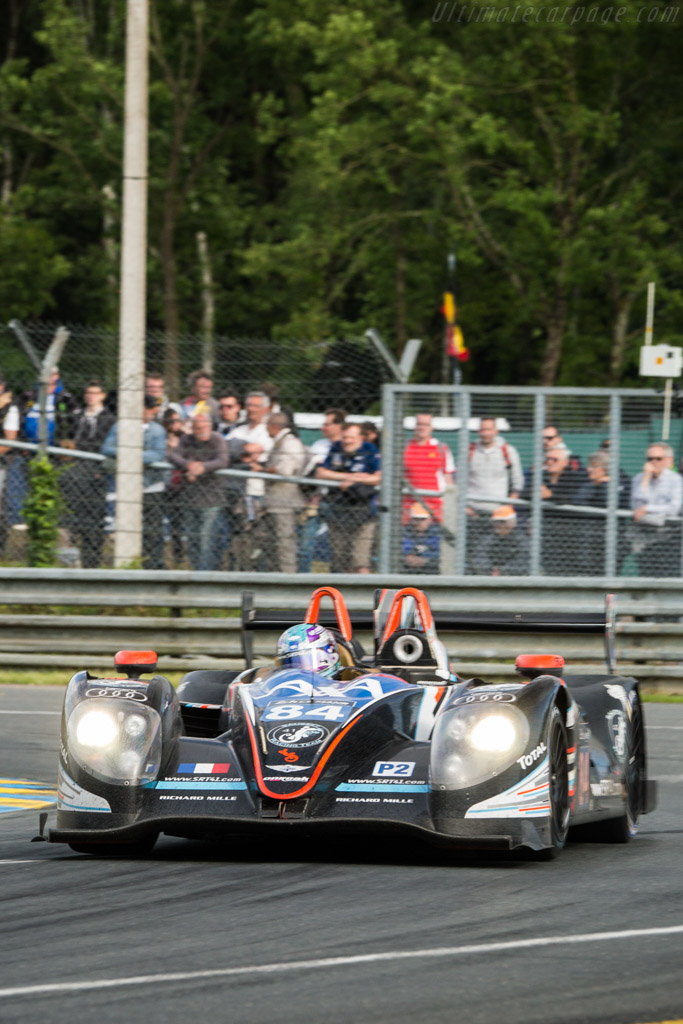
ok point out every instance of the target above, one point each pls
(624, 828)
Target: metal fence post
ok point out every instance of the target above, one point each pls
(462, 404)
(388, 486)
(536, 480)
(612, 521)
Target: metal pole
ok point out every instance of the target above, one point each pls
(666, 423)
(650, 316)
(612, 523)
(127, 542)
(536, 481)
(387, 488)
(463, 405)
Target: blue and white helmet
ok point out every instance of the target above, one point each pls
(310, 648)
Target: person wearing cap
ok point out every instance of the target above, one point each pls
(153, 481)
(421, 541)
(506, 550)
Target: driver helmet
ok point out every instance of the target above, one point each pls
(308, 647)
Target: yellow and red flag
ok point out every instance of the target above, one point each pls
(455, 343)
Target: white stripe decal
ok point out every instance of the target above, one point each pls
(339, 961)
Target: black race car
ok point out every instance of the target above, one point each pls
(395, 742)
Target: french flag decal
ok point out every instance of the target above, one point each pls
(203, 769)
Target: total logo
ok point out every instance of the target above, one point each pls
(526, 760)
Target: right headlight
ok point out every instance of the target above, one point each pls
(115, 740)
(472, 744)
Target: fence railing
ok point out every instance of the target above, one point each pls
(190, 638)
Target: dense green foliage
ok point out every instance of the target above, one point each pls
(313, 163)
(41, 512)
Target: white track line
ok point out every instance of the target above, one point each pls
(336, 961)
(5, 712)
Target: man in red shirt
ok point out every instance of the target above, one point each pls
(427, 465)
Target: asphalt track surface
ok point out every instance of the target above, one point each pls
(320, 934)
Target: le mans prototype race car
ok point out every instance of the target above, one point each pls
(394, 742)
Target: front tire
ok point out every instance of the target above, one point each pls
(558, 785)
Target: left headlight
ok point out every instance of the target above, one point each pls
(115, 741)
(474, 743)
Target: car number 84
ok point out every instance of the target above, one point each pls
(321, 712)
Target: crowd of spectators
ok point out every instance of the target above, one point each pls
(193, 516)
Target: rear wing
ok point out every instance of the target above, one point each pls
(375, 621)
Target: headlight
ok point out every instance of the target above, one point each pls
(494, 733)
(96, 729)
(115, 740)
(473, 743)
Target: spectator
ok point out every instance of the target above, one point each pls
(332, 429)
(551, 437)
(657, 500)
(84, 483)
(156, 387)
(272, 393)
(505, 551)
(199, 455)
(314, 540)
(494, 475)
(595, 492)
(257, 443)
(350, 513)
(61, 409)
(9, 429)
(199, 400)
(562, 539)
(287, 457)
(230, 413)
(153, 482)
(427, 465)
(421, 541)
(173, 424)
(370, 433)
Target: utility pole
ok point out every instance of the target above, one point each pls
(132, 310)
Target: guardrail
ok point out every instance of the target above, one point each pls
(650, 649)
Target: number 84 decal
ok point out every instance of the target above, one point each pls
(319, 712)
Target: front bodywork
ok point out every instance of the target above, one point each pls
(461, 762)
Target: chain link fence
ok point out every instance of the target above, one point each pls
(549, 482)
(474, 481)
(232, 516)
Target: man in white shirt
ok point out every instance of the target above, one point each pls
(494, 473)
(657, 500)
(258, 443)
